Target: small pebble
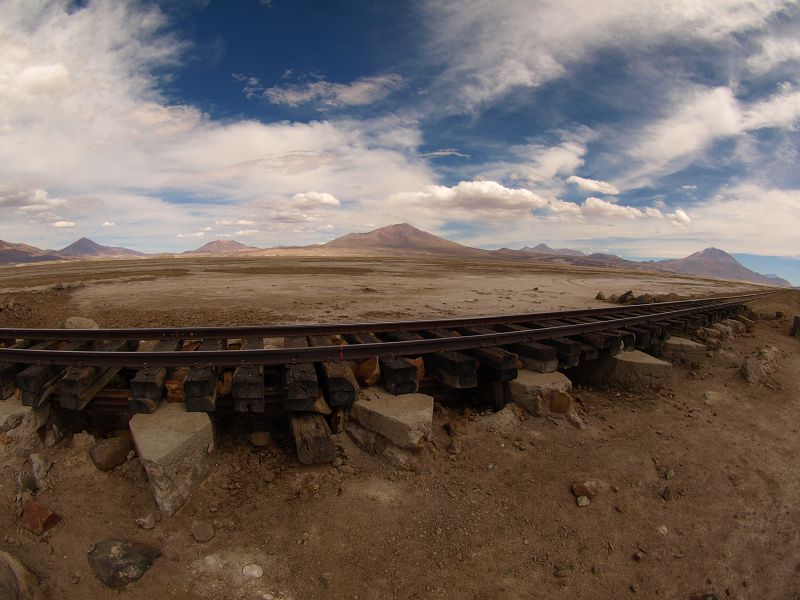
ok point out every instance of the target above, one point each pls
(582, 501)
(147, 522)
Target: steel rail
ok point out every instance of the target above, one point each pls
(189, 333)
(233, 358)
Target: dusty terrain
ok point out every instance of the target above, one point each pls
(497, 520)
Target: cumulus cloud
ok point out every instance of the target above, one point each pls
(594, 185)
(596, 207)
(108, 224)
(493, 204)
(63, 224)
(365, 90)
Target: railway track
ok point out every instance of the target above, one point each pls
(315, 371)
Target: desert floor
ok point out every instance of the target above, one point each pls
(498, 520)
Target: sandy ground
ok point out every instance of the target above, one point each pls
(496, 521)
(246, 290)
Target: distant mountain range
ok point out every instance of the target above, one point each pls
(82, 248)
(405, 240)
(545, 249)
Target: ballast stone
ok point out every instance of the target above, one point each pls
(404, 420)
(173, 445)
(542, 394)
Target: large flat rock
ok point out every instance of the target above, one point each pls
(173, 446)
(682, 350)
(631, 371)
(542, 393)
(404, 420)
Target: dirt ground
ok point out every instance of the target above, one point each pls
(498, 520)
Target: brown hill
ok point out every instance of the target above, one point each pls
(23, 253)
(403, 239)
(86, 248)
(713, 262)
(221, 247)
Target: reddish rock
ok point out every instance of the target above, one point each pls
(110, 453)
(37, 517)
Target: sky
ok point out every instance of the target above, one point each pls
(645, 129)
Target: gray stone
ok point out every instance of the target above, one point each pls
(542, 394)
(736, 326)
(202, 531)
(376, 444)
(682, 350)
(109, 453)
(404, 420)
(588, 487)
(631, 371)
(120, 562)
(79, 323)
(748, 323)
(173, 446)
(21, 425)
(582, 501)
(40, 466)
(16, 581)
(253, 571)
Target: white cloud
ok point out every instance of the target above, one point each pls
(43, 79)
(196, 234)
(699, 118)
(82, 120)
(63, 224)
(247, 232)
(314, 200)
(442, 152)
(491, 47)
(108, 224)
(594, 185)
(775, 51)
(365, 90)
(600, 208)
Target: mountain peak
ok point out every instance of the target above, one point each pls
(402, 238)
(542, 248)
(84, 247)
(221, 246)
(713, 262)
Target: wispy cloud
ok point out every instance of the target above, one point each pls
(365, 90)
(594, 185)
(443, 152)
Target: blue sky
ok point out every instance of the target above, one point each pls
(649, 129)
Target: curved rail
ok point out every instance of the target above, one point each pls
(243, 331)
(232, 358)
